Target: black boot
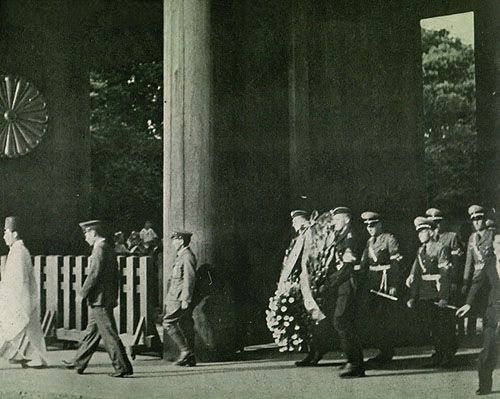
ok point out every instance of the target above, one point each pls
(352, 372)
(308, 360)
(186, 359)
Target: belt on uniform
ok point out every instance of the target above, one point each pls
(383, 280)
(433, 277)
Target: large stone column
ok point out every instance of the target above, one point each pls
(298, 80)
(487, 38)
(187, 125)
(189, 171)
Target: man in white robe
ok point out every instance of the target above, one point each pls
(21, 336)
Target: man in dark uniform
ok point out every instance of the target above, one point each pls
(295, 268)
(379, 271)
(450, 240)
(430, 291)
(101, 292)
(342, 287)
(178, 319)
(480, 242)
(484, 284)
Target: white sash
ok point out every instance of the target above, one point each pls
(309, 302)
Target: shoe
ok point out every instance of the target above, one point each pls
(121, 374)
(342, 366)
(37, 366)
(22, 362)
(483, 392)
(186, 359)
(80, 371)
(69, 365)
(19, 361)
(190, 362)
(352, 372)
(311, 359)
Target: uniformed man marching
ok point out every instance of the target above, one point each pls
(343, 289)
(482, 278)
(480, 244)
(430, 291)
(450, 240)
(178, 320)
(379, 272)
(100, 290)
(294, 262)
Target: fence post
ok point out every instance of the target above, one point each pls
(130, 293)
(53, 288)
(80, 308)
(68, 295)
(148, 296)
(38, 270)
(118, 311)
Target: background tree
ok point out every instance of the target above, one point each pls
(449, 117)
(127, 150)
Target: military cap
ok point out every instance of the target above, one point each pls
(90, 224)
(341, 210)
(370, 217)
(12, 223)
(183, 234)
(424, 223)
(298, 212)
(434, 214)
(476, 212)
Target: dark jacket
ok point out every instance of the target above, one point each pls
(485, 285)
(450, 239)
(381, 252)
(479, 253)
(433, 269)
(344, 259)
(101, 285)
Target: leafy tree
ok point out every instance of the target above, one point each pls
(127, 150)
(449, 120)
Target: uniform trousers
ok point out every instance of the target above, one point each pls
(345, 325)
(179, 325)
(377, 323)
(440, 322)
(101, 324)
(488, 355)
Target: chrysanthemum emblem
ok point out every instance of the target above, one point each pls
(23, 116)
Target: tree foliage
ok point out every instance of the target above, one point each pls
(449, 120)
(127, 150)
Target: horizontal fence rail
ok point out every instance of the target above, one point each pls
(60, 278)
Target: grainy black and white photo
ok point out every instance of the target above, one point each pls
(210, 199)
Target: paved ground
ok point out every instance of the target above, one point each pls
(263, 374)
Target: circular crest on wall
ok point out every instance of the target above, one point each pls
(23, 116)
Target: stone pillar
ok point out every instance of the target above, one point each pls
(187, 127)
(298, 80)
(189, 172)
(487, 50)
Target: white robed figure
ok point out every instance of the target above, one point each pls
(21, 336)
